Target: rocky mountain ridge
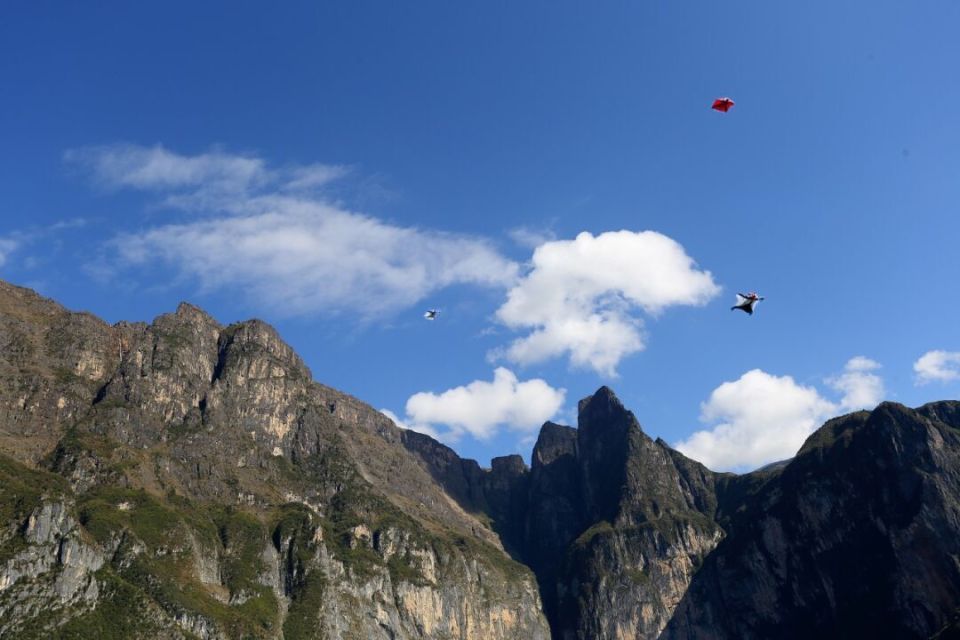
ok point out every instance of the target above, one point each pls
(194, 473)
(208, 488)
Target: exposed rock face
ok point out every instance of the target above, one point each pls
(856, 537)
(556, 513)
(613, 523)
(624, 575)
(56, 555)
(183, 479)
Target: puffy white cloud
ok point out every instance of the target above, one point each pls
(937, 366)
(760, 418)
(579, 295)
(598, 341)
(482, 408)
(861, 363)
(270, 235)
(861, 389)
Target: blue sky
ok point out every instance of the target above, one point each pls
(337, 168)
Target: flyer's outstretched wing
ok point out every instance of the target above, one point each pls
(746, 303)
(722, 104)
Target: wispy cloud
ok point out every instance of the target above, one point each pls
(23, 238)
(156, 168)
(484, 408)
(581, 296)
(937, 366)
(300, 256)
(760, 417)
(7, 246)
(531, 238)
(211, 182)
(312, 176)
(272, 235)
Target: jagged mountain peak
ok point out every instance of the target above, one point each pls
(189, 310)
(602, 403)
(247, 339)
(604, 425)
(945, 411)
(26, 304)
(554, 441)
(512, 464)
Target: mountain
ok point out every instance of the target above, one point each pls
(184, 479)
(856, 537)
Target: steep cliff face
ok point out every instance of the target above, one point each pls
(556, 514)
(614, 531)
(856, 537)
(184, 479)
(613, 523)
(647, 534)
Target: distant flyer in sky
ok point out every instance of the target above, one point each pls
(747, 302)
(722, 104)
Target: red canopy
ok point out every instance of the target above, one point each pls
(722, 104)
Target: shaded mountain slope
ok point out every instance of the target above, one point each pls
(856, 537)
(613, 523)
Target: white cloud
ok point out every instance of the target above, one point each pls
(302, 256)
(937, 366)
(578, 296)
(598, 341)
(482, 408)
(7, 246)
(313, 176)
(274, 238)
(156, 168)
(420, 428)
(65, 225)
(215, 181)
(23, 238)
(761, 418)
(531, 238)
(861, 389)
